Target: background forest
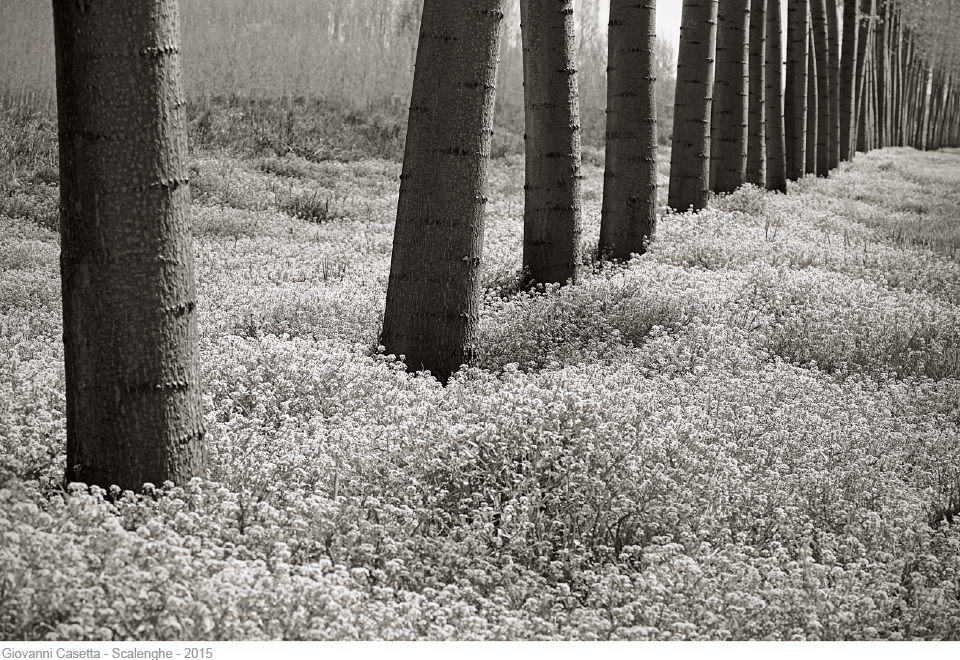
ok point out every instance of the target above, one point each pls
(355, 55)
(752, 431)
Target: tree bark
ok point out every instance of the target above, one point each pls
(821, 49)
(756, 116)
(433, 294)
(833, 64)
(814, 107)
(773, 74)
(731, 97)
(629, 212)
(848, 79)
(881, 70)
(864, 32)
(795, 94)
(552, 194)
(133, 404)
(690, 156)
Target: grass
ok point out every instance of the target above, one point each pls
(751, 432)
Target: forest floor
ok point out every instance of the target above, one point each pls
(751, 432)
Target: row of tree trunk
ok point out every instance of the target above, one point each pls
(870, 85)
(129, 304)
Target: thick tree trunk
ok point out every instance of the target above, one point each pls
(821, 49)
(756, 117)
(731, 97)
(848, 78)
(133, 405)
(552, 198)
(795, 94)
(814, 107)
(690, 157)
(629, 213)
(773, 74)
(433, 294)
(833, 64)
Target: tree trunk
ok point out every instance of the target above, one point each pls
(873, 96)
(690, 156)
(773, 74)
(629, 213)
(795, 94)
(133, 405)
(923, 111)
(848, 79)
(756, 117)
(833, 64)
(814, 107)
(881, 67)
(552, 198)
(863, 55)
(821, 49)
(731, 97)
(433, 294)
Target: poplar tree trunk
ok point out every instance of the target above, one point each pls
(881, 67)
(833, 64)
(690, 156)
(864, 55)
(773, 74)
(814, 107)
(795, 94)
(896, 70)
(923, 112)
(629, 213)
(873, 95)
(433, 294)
(552, 197)
(756, 116)
(821, 50)
(848, 79)
(133, 405)
(731, 97)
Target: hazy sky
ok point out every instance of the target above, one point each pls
(668, 17)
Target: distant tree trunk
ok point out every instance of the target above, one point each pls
(629, 214)
(552, 198)
(833, 65)
(731, 97)
(433, 294)
(897, 72)
(773, 74)
(133, 407)
(756, 116)
(880, 71)
(873, 96)
(795, 94)
(911, 87)
(923, 110)
(864, 36)
(690, 157)
(821, 50)
(814, 107)
(848, 79)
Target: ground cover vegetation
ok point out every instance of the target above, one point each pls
(749, 432)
